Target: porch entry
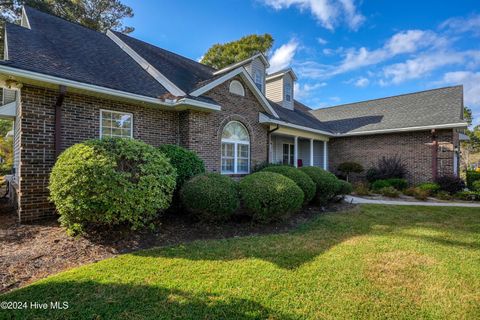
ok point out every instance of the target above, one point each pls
(298, 151)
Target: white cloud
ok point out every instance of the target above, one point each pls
(424, 64)
(471, 87)
(305, 90)
(329, 13)
(322, 41)
(461, 25)
(283, 56)
(361, 82)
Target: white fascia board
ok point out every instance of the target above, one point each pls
(102, 90)
(157, 75)
(249, 81)
(24, 22)
(406, 129)
(281, 73)
(241, 63)
(264, 119)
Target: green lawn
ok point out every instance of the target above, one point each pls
(380, 262)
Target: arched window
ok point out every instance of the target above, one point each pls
(237, 88)
(235, 148)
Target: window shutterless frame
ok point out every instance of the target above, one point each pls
(102, 111)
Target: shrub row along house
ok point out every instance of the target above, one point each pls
(64, 83)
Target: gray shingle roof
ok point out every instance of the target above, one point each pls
(425, 108)
(183, 72)
(67, 50)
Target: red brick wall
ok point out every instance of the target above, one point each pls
(413, 147)
(202, 132)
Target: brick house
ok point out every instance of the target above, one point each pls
(64, 83)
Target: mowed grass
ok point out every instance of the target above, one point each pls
(373, 262)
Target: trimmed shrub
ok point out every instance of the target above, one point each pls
(443, 195)
(186, 162)
(361, 189)
(349, 167)
(265, 164)
(387, 168)
(345, 188)
(111, 181)
(472, 176)
(421, 194)
(409, 191)
(268, 196)
(327, 184)
(451, 184)
(210, 196)
(476, 185)
(430, 187)
(300, 178)
(380, 184)
(389, 192)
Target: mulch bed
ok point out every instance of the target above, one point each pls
(30, 252)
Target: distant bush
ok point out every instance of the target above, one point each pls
(451, 184)
(349, 167)
(186, 162)
(345, 188)
(387, 168)
(327, 184)
(210, 196)
(111, 181)
(472, 176)
(268, 196)
(380, 184)
(430, 187)
(476, 185)
(421, 194)
(389, 192)
(361, 189)
(409, 191)
(300, 178)
(443, 195)
(467, 195)
(397, 183)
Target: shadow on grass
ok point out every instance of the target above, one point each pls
(94, 300)
(291, 250)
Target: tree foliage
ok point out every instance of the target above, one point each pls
(100, 15)
(473, 144)
(222, 55)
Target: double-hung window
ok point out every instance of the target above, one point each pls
(235, 149)
(116, 124)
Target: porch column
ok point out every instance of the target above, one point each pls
(325, 158)
(311, 152)
(295, 151)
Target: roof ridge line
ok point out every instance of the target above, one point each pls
(151, 70)
(383, 98)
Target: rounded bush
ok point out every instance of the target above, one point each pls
(186, 162)
(397, 183)
(210, 196)
(380, 184)
(430, 187)
(345, 188)
(476, 185)
(451, 184)
(111, 181)
(268, 196)
(327, 183)
(389, 192)
(300, 178)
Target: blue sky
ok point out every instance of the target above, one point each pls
(342, 50)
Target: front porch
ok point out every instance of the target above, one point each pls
(299, 151)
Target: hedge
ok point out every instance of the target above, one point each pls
(327, 183)
(300, 178)
(268, 196)
(111, 181)
(210, 197)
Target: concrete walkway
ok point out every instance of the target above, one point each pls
(358, 200)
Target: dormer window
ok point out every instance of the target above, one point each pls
(258, 79)
(288, 92)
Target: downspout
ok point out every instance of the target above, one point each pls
(434, 155)
(269, 134)
(58, 120)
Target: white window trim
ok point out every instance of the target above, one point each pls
(258, 73)
(236, 143)
(288, 92)
(113, 111)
